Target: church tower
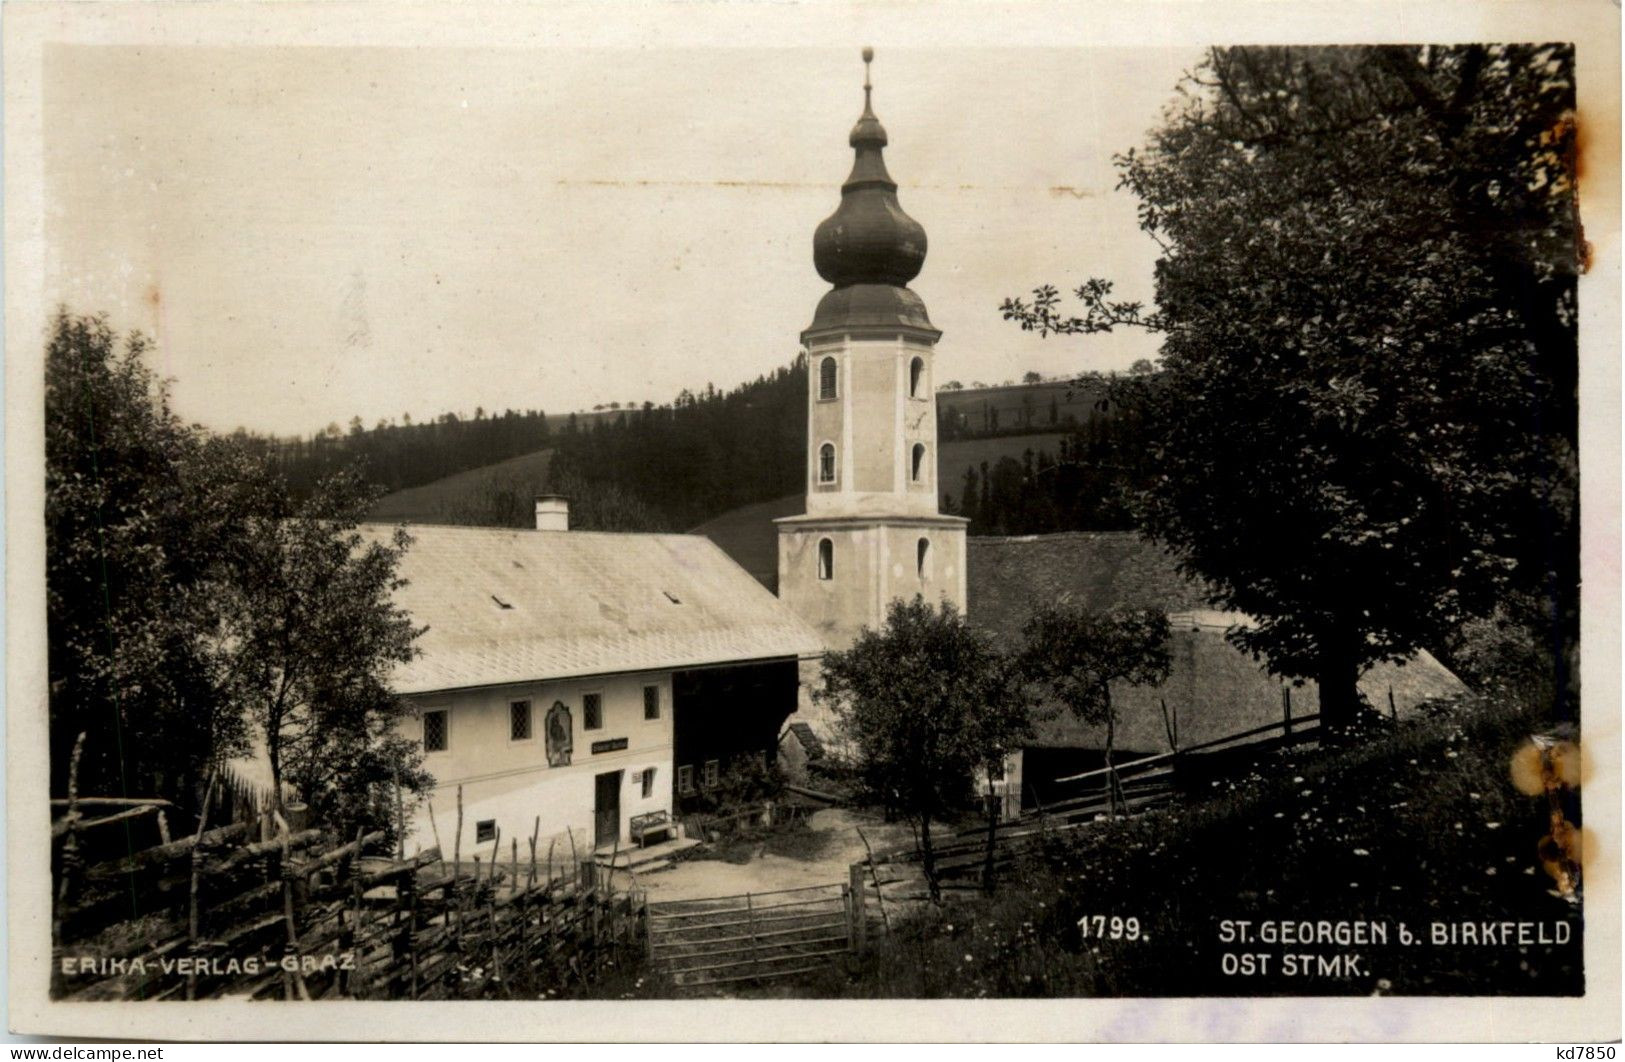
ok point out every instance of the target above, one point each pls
(871, 532)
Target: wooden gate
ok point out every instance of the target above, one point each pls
(753, 937)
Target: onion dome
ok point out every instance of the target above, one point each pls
(869, 240)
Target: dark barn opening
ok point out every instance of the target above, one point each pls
(723, 714)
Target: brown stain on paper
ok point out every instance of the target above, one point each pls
(1574, 138)
(1547, 766)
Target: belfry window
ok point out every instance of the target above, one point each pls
(921, 554)
(916, 373)
(919, 460)
(826, 380)
(826, 559)
(826, 463)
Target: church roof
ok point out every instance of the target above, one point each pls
(503, 606)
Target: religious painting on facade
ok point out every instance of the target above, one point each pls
(1065, 508)
(559, 738)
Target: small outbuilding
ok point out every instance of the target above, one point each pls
(1215, 690)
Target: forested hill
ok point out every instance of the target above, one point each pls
(703, 455)
(699, 429)
(678, 464)
(397, 456)
(1017, 459)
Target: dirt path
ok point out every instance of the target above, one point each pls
(819, 856)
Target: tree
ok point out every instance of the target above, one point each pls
(1075, 655)
(136, 509)
(1031, 377)
(930, 707)
(312, 634)
(1363, 433)
(1141, 367)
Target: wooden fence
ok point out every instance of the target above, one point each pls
(754, 936)
(268, 910)
(1142, 785)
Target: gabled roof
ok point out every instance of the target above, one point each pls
(1215, 690)
(803, 733)
(505, 606)
(1100, 570)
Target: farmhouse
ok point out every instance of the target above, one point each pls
(591, 680)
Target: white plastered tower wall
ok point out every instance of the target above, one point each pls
(872, 532)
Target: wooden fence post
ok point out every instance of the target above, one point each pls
(750, 917)
(191, 904)
(354, 981)
(70, 864)
(1286, 710)
(857, 907)
(410, 885)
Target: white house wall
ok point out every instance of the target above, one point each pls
(510, 781)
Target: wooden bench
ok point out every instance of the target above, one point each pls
(650, 822)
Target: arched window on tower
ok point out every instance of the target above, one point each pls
(826, 380)
(923, 553)
(826, 559)
(919, 461)
(916, 374)
(826, 463)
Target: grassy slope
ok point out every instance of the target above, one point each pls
(434, 502)
(1419, 827)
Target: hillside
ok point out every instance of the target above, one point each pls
(444, 501)
(748, 536)
(1052, 405)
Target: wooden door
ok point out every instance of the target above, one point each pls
(607, 809)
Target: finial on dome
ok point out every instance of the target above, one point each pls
(868, 130)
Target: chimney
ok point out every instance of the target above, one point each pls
(552, 512)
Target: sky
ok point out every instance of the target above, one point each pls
(316, 233)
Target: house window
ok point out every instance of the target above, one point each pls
(826, 380)
(916, 372)
(826, 463)
(519, 721)
(713, 771)
(435, 731)
(922, 553)
(592, 711)
(826, 559)
(685, 779)
(485, 831)
(919, 460)
(651, 702)
(648, 782)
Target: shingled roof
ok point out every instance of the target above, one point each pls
(504, 606)
(1214, 691)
